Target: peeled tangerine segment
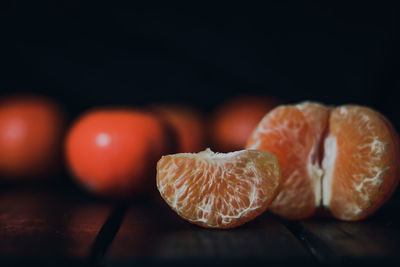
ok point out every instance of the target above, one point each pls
(218, 190)
(363, 173)
(293, 134)
(344, 159)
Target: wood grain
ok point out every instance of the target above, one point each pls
(37, 224)
(152, 233)
(49, 226)
(374, 241)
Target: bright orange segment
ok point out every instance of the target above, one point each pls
(344, 159)
(364, 172)
(292, 133)
(219, 190)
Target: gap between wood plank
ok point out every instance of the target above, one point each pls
(318, 249)
(107, 234)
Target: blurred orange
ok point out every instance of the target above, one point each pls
(187, 124)
(233, 122)
(112, 152)
(31, 129)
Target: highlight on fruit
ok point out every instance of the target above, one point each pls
(31, 136)
(111, 152)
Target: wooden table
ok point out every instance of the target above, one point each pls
(60, 225)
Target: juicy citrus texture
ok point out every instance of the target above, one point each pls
(365, 166)
(344, 159)
(292, 133)
(219, 190)
(233, 122)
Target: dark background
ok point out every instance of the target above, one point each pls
(89, 55)
(86, 55)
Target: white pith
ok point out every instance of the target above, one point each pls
(375, 148)
(328, 164)
(341, 159)
(315, 172)
(212, 206)
(208, 153)
(321, 172)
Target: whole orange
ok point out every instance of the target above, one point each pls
(112, 152)
(31, 129)
(233, 122)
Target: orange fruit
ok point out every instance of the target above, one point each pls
(365, 170)
(233, 122)
(342, 159)
(216, 190)
(111, 152)
(188, 125)
(31, 130)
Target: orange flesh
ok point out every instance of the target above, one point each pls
(294, 139)
(344, 159)
(365, 166)
(219, 190)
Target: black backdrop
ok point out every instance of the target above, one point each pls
(89, 55)
(86, 55)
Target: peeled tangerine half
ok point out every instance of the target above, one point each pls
(344, 159)
(216, 190)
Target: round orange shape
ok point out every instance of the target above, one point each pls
(342, 159)
(112, 152)
(31, 129)
(233, 122)
(187, 124)
(216, 190)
